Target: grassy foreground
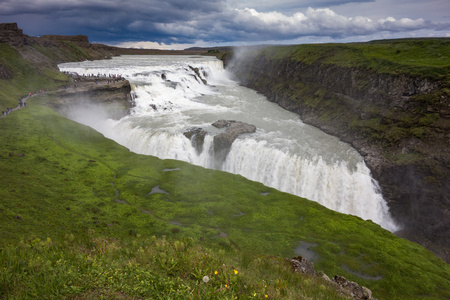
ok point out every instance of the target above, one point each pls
(78, 220)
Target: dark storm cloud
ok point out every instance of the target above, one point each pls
(213, 21)
(101, 19)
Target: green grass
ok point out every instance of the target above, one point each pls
(421, 57)
(152, 268)
(77, 221)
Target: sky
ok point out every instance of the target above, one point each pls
(180, 24)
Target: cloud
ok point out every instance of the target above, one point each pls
(319, 22)
(213, 21)
(289, 6)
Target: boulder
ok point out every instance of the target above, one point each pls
(197, 137)
(352, 288)
(223, 141)
(302, 265)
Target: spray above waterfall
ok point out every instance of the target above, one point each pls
(179, 98)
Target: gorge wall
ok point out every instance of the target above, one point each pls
(399, 121)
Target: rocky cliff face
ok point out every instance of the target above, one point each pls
(11, 34)
(399, 123)
(114, 98)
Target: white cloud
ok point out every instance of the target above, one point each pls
(321, 21)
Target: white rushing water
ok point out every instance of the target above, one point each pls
(283, 153)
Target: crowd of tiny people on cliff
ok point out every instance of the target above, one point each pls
(111, 78)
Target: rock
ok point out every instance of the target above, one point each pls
(352, 288)
(223, 141)
(11, 34)
(197, 137)
(302, 265)
(197, 72)
(114, 99)
(324, 276)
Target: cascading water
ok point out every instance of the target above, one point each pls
(176, 93)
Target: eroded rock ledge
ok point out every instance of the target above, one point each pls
(114, 98)
(348, 288)
(223, 140)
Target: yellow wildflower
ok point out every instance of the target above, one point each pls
(215, 272)
(235, 272)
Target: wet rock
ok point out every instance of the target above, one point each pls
(197, 72)
(223, 141)
(197, 137)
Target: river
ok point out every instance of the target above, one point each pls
(176, 93)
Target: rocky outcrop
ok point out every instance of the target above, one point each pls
(352, 289)
(115, 98)
(348, 288)
(223, 141)
(80, 40)
(11, 34)
(398, 122)
(198, 76)
(197, 137)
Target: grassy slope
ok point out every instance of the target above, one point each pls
(71, 185)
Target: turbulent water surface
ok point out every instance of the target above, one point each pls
(176, 93)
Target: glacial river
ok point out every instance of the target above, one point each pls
(284, 153)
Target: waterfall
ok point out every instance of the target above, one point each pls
(174, 94)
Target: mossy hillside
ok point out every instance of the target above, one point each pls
(71, 179)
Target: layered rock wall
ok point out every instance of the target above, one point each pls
(11, 34)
